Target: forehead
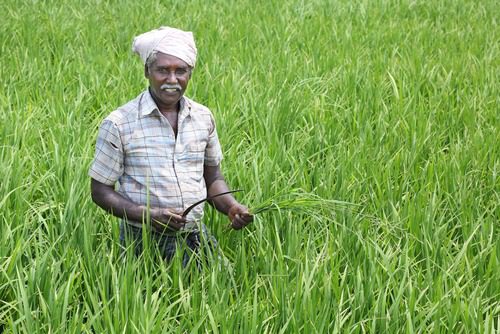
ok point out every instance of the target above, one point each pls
(165, 60)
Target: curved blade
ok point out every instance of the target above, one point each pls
(185, 213)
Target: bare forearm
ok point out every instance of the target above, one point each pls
(161, 219)
(221, 203)
(237, 213)
(111, 201)
(215, 185)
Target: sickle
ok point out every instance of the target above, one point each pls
(185, 213)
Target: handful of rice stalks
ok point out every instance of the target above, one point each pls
(301, 202)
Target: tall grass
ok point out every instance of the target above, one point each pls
(389, 105)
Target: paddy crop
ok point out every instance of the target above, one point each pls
(377, 122)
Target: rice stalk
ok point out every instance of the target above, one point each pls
(299, 201)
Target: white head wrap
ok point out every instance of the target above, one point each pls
(166, 40)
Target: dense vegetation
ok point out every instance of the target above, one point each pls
(390, 105)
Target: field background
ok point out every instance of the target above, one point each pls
(391, 105)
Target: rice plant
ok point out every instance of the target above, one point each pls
(364, 133)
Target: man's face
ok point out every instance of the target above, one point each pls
(168, 79)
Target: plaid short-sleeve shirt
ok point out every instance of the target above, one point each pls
(137, 148)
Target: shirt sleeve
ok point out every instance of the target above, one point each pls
(213, 151)
(107, 165)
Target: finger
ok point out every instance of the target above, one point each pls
(247, 217)
(238, 223)
(235, 225)
(174, 216)
(178, 218)
(175, 225)
(172, 226)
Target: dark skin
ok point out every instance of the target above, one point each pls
(175, 73)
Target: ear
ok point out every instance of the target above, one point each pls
(146, 71)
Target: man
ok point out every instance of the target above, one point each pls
(163, 151)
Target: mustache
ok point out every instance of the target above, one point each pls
(167, 86)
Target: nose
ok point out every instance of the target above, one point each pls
(171, 78)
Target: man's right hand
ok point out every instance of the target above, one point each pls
(162, 220)
(165, 220)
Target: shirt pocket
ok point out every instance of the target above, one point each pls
(192, 160)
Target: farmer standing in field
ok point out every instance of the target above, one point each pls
(163, 151)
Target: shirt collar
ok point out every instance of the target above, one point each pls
(147, 105)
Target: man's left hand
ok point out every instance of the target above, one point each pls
(239, 216)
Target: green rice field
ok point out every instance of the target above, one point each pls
(364, 133)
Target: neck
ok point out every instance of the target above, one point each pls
(165, 108)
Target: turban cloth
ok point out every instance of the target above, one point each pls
(166, 40)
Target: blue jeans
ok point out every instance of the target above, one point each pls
(168, 244)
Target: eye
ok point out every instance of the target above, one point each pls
(181, 71)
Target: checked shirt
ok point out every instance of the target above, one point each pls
(137, 149)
